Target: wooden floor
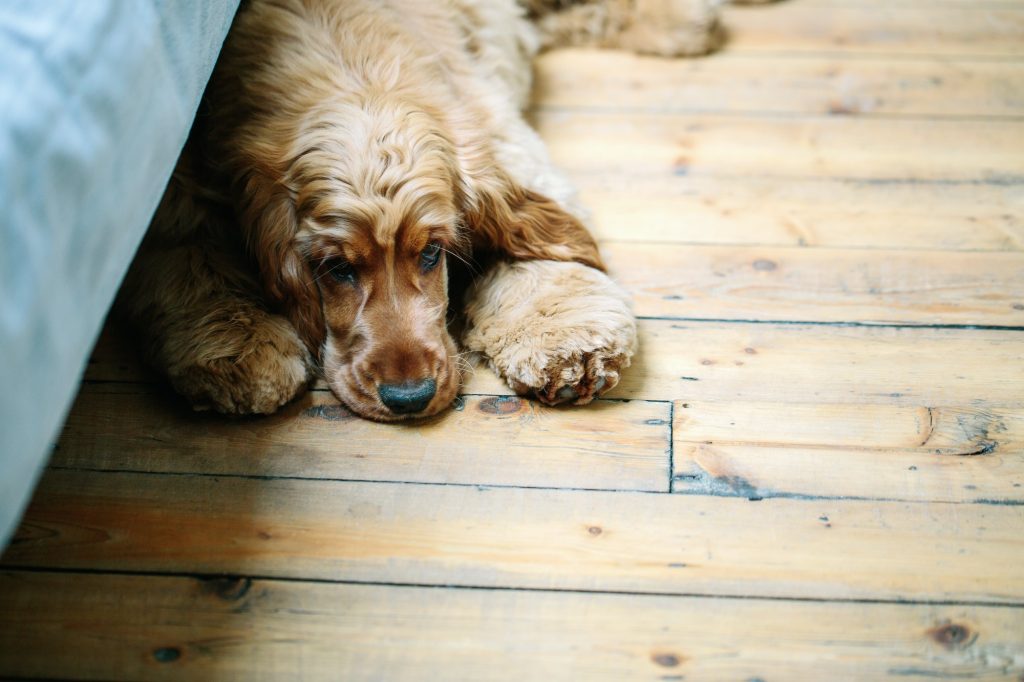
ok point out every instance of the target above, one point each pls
(814, 471)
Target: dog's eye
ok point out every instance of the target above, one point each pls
(430, 256)
(341, 270)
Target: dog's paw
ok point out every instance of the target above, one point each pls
(256, 371)
(559, 331)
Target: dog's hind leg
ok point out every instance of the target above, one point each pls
(666, 28)
(196, 306)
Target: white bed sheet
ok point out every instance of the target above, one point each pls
(96, 99)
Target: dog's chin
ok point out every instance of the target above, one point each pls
(364, 402)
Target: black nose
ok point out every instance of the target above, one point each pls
(408, 396)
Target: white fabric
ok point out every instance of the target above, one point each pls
(96, 99)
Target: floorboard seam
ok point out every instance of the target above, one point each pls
(505, 486)
(671, 445)
(777, 115)
(837, 323)
(14, 568)
(259, 477)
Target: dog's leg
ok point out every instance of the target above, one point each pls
(547, 318)
(666, 28)
(202, 322)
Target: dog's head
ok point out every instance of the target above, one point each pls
(354, 226)
(354, 242)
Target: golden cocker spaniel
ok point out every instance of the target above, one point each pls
(355, 161)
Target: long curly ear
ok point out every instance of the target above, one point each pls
(271, 226)
(521, 224)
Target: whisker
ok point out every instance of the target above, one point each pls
(320, 276)
(462, 361)
(324, 273)
(472, 266)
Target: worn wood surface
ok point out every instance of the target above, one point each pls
(486, 440)
(822, 226)
(892, 28)
(168, 628)
(524, 538)
(660, 206)
(873, 451)
(810, 363)
(939, 87)
(867, 149)
(823, 285)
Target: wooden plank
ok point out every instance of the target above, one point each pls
(873, 149)
(831, 364)
(526, 538)
(168, 628)
(487, 440)
(780, 210)
(825, 285)
(801, 363)
(865, 451)
(979, 5)
(801, 84)
(889, 28)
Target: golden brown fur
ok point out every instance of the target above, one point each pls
(342, 145)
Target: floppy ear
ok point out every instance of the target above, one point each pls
(521, 224)
(270, 224)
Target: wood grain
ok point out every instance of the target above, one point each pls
(826, 285)
(826, 364)
(977, 5)
(606, 80)
(486, 441)
(877, 28)
(165, 628)
(655, 205)
(866, 451)
(868, 149)
(524, 538)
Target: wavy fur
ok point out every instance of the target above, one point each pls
(339, 143)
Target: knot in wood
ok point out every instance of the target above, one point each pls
(666, 660)
(952, 635)
(499, 405)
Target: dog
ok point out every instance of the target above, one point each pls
(360, 180)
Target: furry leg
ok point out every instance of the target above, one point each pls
(665, 28)
(561, 331)
(201, 320)
(557, 329)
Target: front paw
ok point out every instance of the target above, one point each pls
(255, 372)
(559, 331)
